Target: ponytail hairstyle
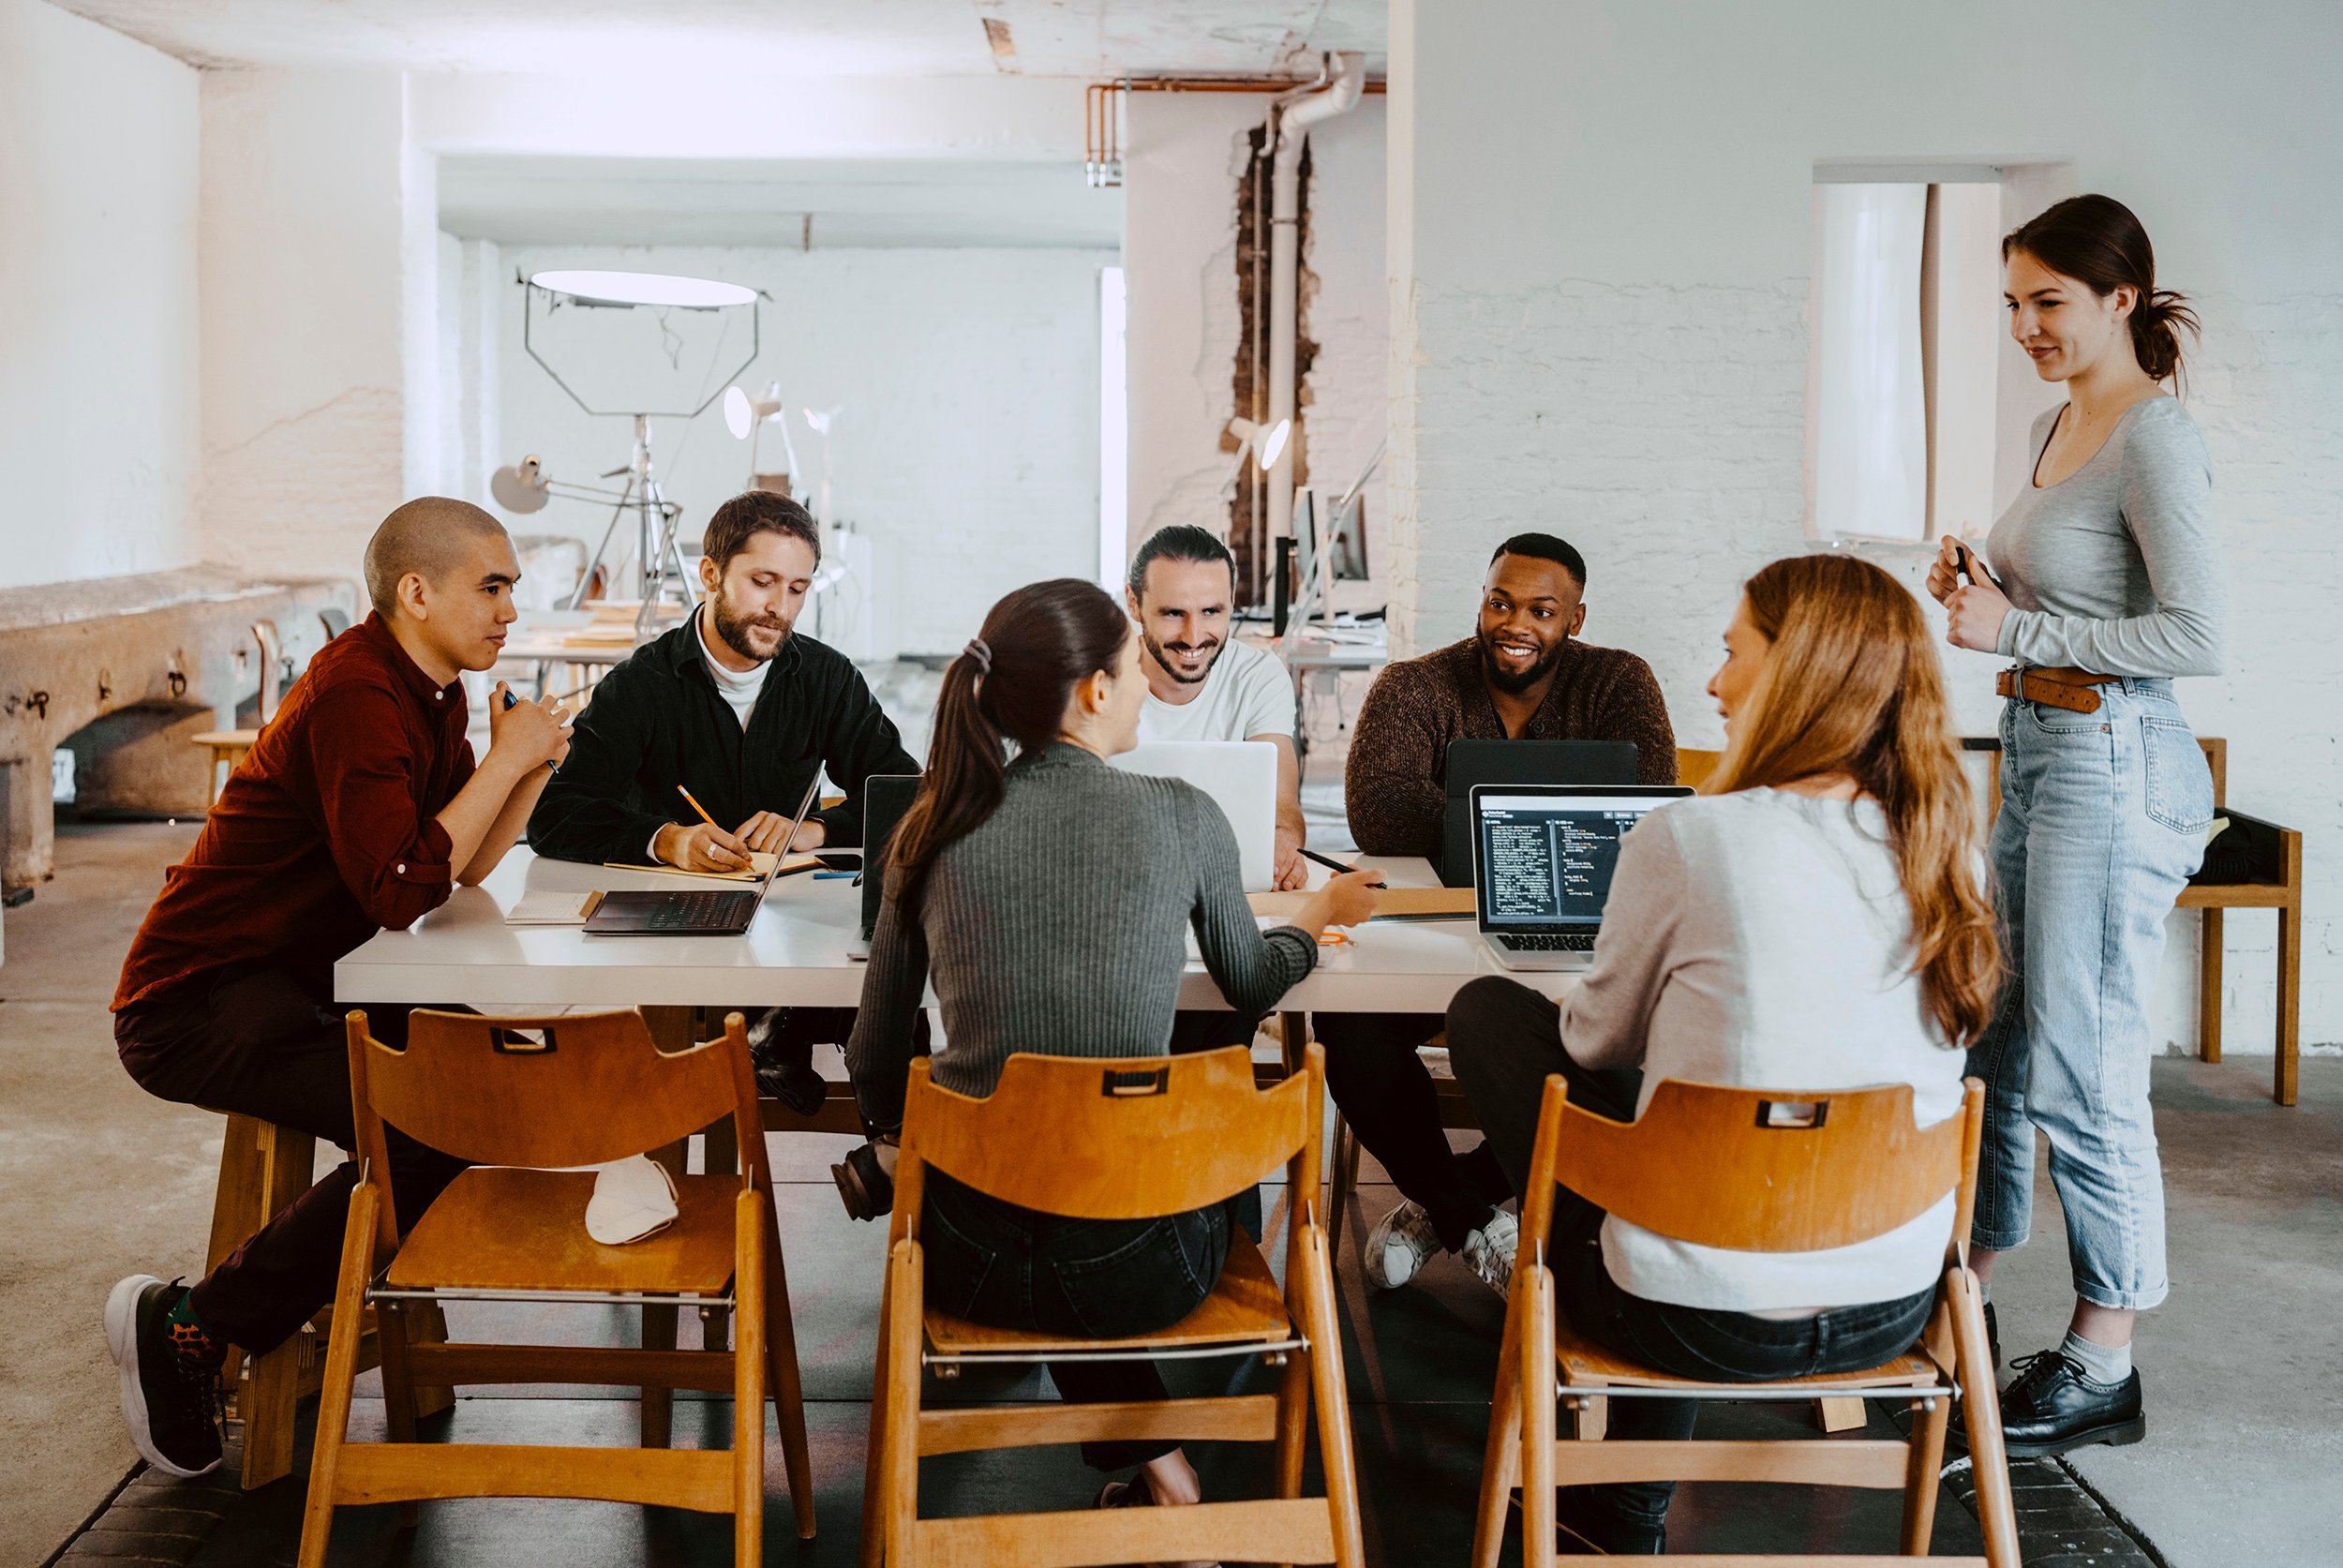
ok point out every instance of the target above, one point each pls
(2096, 240)
(1009, 685)
(1851, 685)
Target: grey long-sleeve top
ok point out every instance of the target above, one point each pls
(2115, 568)
(1058, 927)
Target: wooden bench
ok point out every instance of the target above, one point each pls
(2261, 867)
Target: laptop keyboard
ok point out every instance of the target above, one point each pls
(708, 911)
(1547, 941)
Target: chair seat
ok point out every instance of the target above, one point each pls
(227, 738)
(1587, 1364)
(1247, 1306)
(498, 1227)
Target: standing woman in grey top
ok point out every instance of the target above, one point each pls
(2109, 584)
(1048, 900)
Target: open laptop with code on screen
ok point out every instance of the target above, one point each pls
(1542, 865)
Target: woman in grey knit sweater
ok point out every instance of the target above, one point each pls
(1047, 899)
(2108, 585)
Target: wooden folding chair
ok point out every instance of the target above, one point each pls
(1126, 1139)
(1776, 1172)
(588, 1089)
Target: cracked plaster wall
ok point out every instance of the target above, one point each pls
(1598, 302)
(1184, 157)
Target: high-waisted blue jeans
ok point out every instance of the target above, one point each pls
(2103, 817)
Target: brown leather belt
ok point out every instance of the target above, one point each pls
(2064, 688)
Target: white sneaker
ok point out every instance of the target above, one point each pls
(1488, 1252)
(1401, 1243)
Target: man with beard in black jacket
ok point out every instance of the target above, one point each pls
(736, 709)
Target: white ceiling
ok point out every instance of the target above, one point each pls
(1096, 38)
(746, 201)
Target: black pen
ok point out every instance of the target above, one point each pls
(1328, 861)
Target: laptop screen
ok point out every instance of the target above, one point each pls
(1546, 859)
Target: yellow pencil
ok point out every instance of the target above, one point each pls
(697, 807)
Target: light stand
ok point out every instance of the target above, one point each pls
(658, 555)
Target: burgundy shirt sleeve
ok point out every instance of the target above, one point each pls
(394, 859)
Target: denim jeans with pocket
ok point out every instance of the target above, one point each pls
(995, 1263)
(2103, 817)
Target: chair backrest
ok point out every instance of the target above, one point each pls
(1694, 765)
(1093, 1137)
(589, 1088)
(264, 634)
(1759, 1170)
(335, 619)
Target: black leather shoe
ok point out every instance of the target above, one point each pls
(795, 1084)
(863, 1184)
(2053, 1407)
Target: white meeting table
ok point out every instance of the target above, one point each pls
(796, 953)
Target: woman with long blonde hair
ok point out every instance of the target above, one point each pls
(1814, 920)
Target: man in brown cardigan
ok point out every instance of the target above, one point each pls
(1523, 677)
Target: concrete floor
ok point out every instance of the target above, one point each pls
(2246, 1395)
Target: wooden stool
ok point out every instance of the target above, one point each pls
(263, 1169)
(228, 746)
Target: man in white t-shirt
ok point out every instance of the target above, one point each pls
(1201, 683)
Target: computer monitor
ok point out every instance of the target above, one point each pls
(1519, 762)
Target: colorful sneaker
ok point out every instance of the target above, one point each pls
(1488, 1252)
(1401, 1243)
(169, 1400)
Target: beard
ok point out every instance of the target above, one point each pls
(1513, 685)
(734, 630)
(1155, 651)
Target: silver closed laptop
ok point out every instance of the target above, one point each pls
(1541, 862)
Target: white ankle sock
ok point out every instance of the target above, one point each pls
(2105, 1364)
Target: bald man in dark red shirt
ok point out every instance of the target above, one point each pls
(358, 809)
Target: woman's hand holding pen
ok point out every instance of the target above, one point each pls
(1975, 605)
(1346, 900)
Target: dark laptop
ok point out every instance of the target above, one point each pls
(1545, 857)
(716, 912)
(1519, 762)
(885, 798)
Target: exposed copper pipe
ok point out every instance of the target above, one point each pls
(1102, 112)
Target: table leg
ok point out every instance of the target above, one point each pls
(670, 1030)
(2209, 989)
(720, 1157)
(2289, 1042)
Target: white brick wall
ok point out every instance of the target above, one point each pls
(1599, 244)
(1660, 430)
